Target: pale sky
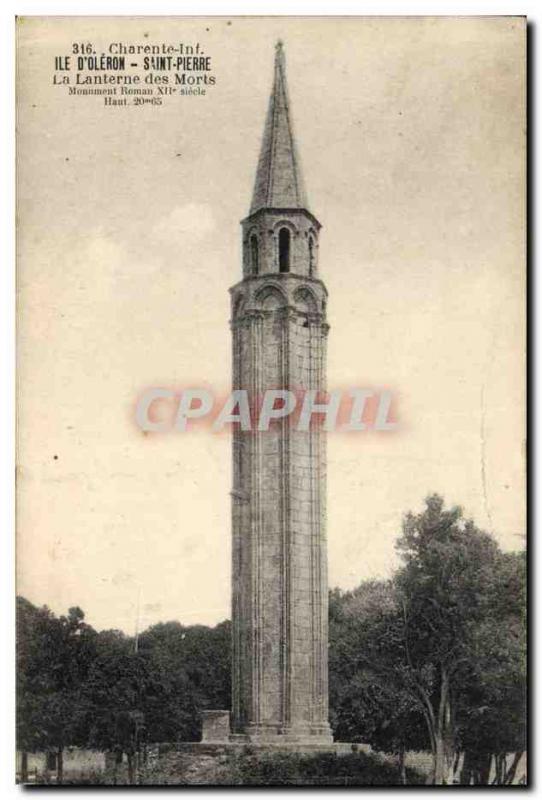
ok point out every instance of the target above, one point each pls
(411, 134)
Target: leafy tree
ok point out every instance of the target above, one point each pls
(447, 590)
(369, 701)
(113, 641)
(53, 657)
(119, 693)
(34, 629)
(157, 693)
(491, 714)
(194, 662)
(435, 656)
(432, 658)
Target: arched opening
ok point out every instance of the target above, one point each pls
(270, 298)
(254, 255)
(284, 250)
(312, 256)
(305, 300)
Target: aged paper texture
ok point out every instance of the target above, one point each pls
(318, 579)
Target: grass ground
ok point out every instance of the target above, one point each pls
(280, 769)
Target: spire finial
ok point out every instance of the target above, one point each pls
(279, 54)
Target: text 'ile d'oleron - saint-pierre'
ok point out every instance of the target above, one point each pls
(134, 74)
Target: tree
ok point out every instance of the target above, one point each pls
(195, 665)
(491, 708)
(157, 693)
(119, 692)
(369, 700)
(33, 627)
(447, 590)
(435, 657)
(53, 658)
(432, 658)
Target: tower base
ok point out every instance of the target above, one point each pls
(236, 748)
(269, 735)
(216, 730)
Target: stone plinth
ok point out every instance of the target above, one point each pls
(216, 726)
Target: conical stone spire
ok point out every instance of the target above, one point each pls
(279, 183)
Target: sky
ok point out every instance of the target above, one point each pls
(412, 140)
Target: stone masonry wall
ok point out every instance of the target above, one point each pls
(279, 577)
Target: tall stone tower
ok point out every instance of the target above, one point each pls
(278, 320)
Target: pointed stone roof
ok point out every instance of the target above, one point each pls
(279, 183)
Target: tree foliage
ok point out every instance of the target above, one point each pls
(104, 691)
(432, 658)
(438, 652)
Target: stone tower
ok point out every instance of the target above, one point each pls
(279, 577)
